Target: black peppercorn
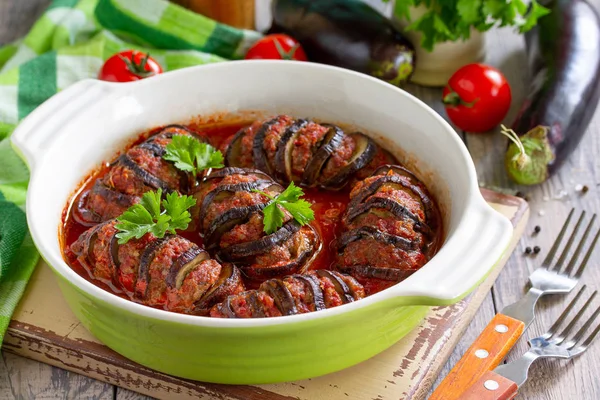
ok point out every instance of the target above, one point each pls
(536, 249)
(528, 250)
(537, 229)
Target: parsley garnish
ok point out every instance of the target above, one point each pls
(148, 217)
(290, 200)
(453, 20)
(191, 155)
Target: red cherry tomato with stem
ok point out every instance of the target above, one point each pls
(477, 98)
(129, 65)
(277, 47)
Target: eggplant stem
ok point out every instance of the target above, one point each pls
(513, 137)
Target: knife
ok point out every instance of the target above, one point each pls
(490, 348)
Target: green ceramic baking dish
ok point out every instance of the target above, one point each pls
(70, 134)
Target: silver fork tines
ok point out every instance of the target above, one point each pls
(550, 278)
(552, 345)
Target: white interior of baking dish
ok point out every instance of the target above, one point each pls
(72, 133)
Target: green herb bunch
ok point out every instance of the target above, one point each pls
(452, 20)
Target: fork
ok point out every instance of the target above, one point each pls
(503, 382)
(496, 340)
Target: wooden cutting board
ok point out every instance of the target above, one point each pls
(44, 329)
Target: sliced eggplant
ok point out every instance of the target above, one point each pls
(363, 154)
(146, 177)
(111, 198)
(82, 214)
(282, 296)
(223, 191)
(314, 288)
(227, 221)
(260, 157)
(114, 254)
(398, 169)
(374, 233)
(184, 264)
(358, 291)
(283, 155)
(330, 143)
(396, 180)
(298, 265)
(226, 308)
(228, 283)
(87, 254)
(340, 286)
(154, 148)
(223, 172)
(234, 150)
(171, 130)
(369, 271)
(255, 305)
(143, 278)
(392, 206)
(260, 246)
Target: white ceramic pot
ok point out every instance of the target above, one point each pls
(434, 68)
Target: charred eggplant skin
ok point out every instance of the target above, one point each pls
(564, 62)
(285, 300)
(348, 34)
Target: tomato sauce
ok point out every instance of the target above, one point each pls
(328, 208)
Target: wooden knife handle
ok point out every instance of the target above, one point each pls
(490, 348)
(491, 386)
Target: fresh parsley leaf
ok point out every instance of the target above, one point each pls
(300, 210)
(535, 13)
(208, 157)
(452, 20)
(151, 202)
(291, 193)
(147, 216)
(289, 200)
(191, 155)
(176, 207)
(469, 10)
(273, 218)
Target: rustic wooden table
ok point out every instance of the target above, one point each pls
(22, 378)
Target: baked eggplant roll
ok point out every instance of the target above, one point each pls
(139, 170)
(171, 272)
(390, 228)
(230, 218)
(295, 294)
(307, 153)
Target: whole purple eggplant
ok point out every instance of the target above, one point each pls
(348, 34)
(564, 60)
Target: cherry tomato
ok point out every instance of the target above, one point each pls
(477, 98)
(129, 65)
(277, 47)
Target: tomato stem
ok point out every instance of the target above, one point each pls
(453, 99)
(286, 55)
(135, 68)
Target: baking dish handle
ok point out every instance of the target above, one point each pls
(467, 258)
(36, 133)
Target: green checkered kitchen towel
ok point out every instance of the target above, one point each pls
(69, 43)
